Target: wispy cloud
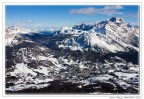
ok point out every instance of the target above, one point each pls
(90, 10)
(29, 24)
(35, 25)
(106, 10)
(86, 22)
(27, 21)
(113, 7)
(132, 15)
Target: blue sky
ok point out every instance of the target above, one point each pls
(57, 16)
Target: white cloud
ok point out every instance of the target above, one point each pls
(113, 7)
(109, 12)
(90, 10)
(106, 10)
(27, 21)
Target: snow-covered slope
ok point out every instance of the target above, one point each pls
(111, 35)
(16, 30)
(13, 33)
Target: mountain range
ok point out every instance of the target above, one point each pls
(86, 58)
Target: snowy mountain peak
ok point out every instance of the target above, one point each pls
(16, 29)
(83, 26)
(65, 30)
(14, 32)
(111, 35)
(116, 20)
